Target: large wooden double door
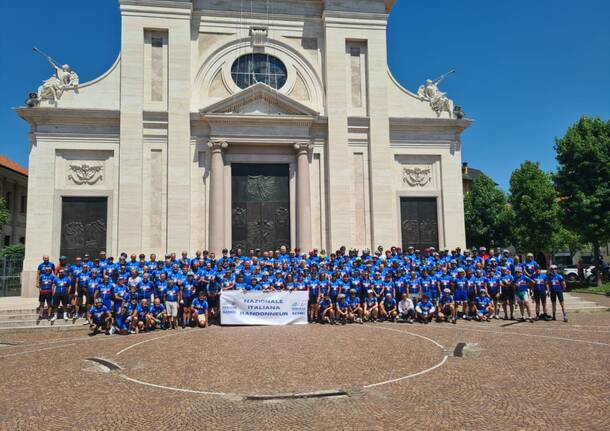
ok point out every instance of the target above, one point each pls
(260, 204)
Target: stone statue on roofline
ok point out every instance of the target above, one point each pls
(53, 88)
(439, 102)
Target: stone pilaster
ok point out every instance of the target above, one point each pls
(217, 197)
(303, 198)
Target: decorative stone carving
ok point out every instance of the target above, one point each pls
(417, 176)
(63, 79)
(85, 174)
(439, 101)
(259, 36)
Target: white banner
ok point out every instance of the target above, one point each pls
(263, 308)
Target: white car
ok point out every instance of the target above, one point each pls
(570, 273)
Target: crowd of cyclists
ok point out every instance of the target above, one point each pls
(133, 294)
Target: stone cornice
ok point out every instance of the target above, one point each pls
(258, 120)
(413, 123)
(36, 116)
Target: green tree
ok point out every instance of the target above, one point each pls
(566, 239)
(534, 201)
(487, 214)
(16, 251)
(583, 181)
(3, 213)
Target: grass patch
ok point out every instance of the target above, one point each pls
(604, 289)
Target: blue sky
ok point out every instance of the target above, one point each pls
(526, 70)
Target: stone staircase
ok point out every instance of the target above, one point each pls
(18, 313)
(575, 304)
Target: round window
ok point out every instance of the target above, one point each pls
(249, 69)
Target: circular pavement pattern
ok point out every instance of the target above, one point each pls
(280, 360)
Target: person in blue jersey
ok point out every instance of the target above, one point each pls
(406, 308)
(335, 286)
(199, 308)
(240, 283)
(143, 318)
(507, 293)
(106, 292)
(540, 293)
(119, 292)
(460, 289)
(313, 289)
(45, 283)
(99, 317)
(388, 309)
(480, 280)
(427, 283)
(343, 314)
(371, 307)
(522, 288)
(444, 280)
(61, 289)
(158, 317)
(92, 288)
(160, 287)
(493, 290)
(425, 309)
(471, 287)
(447, 309)
(483, 308)
(120, 322)
(326, 312)
(414, 287)
(187, 294)
(172, 296)
(378, 286)
(556, 285)
(46, 263)
(145, 287)
(355, 306)
(530, 265)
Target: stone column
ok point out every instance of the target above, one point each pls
(217, 198)
(303, 198)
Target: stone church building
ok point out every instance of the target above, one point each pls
(251, 124)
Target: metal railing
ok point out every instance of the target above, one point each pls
(10, 276)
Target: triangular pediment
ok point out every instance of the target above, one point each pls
(259, 99)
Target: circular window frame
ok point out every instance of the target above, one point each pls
(286, 60)
(270, 58)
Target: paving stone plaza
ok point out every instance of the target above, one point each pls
(497, 375)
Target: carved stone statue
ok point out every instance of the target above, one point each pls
(63, 79)
(439, 101)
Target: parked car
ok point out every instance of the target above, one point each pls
(570, 272)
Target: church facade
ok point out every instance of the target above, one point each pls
(222, 126)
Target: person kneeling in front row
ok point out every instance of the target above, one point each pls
(388, 308)
(406, 309)
(425, 309)
(447, 310)
(99, 318)
(199, 308)
(325, 311)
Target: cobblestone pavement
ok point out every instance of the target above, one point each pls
(547, 375)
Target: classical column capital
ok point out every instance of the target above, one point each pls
(217, 145)
(303, 147)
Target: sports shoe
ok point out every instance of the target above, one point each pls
(554, 318)
(565, 317)
(112, 330)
